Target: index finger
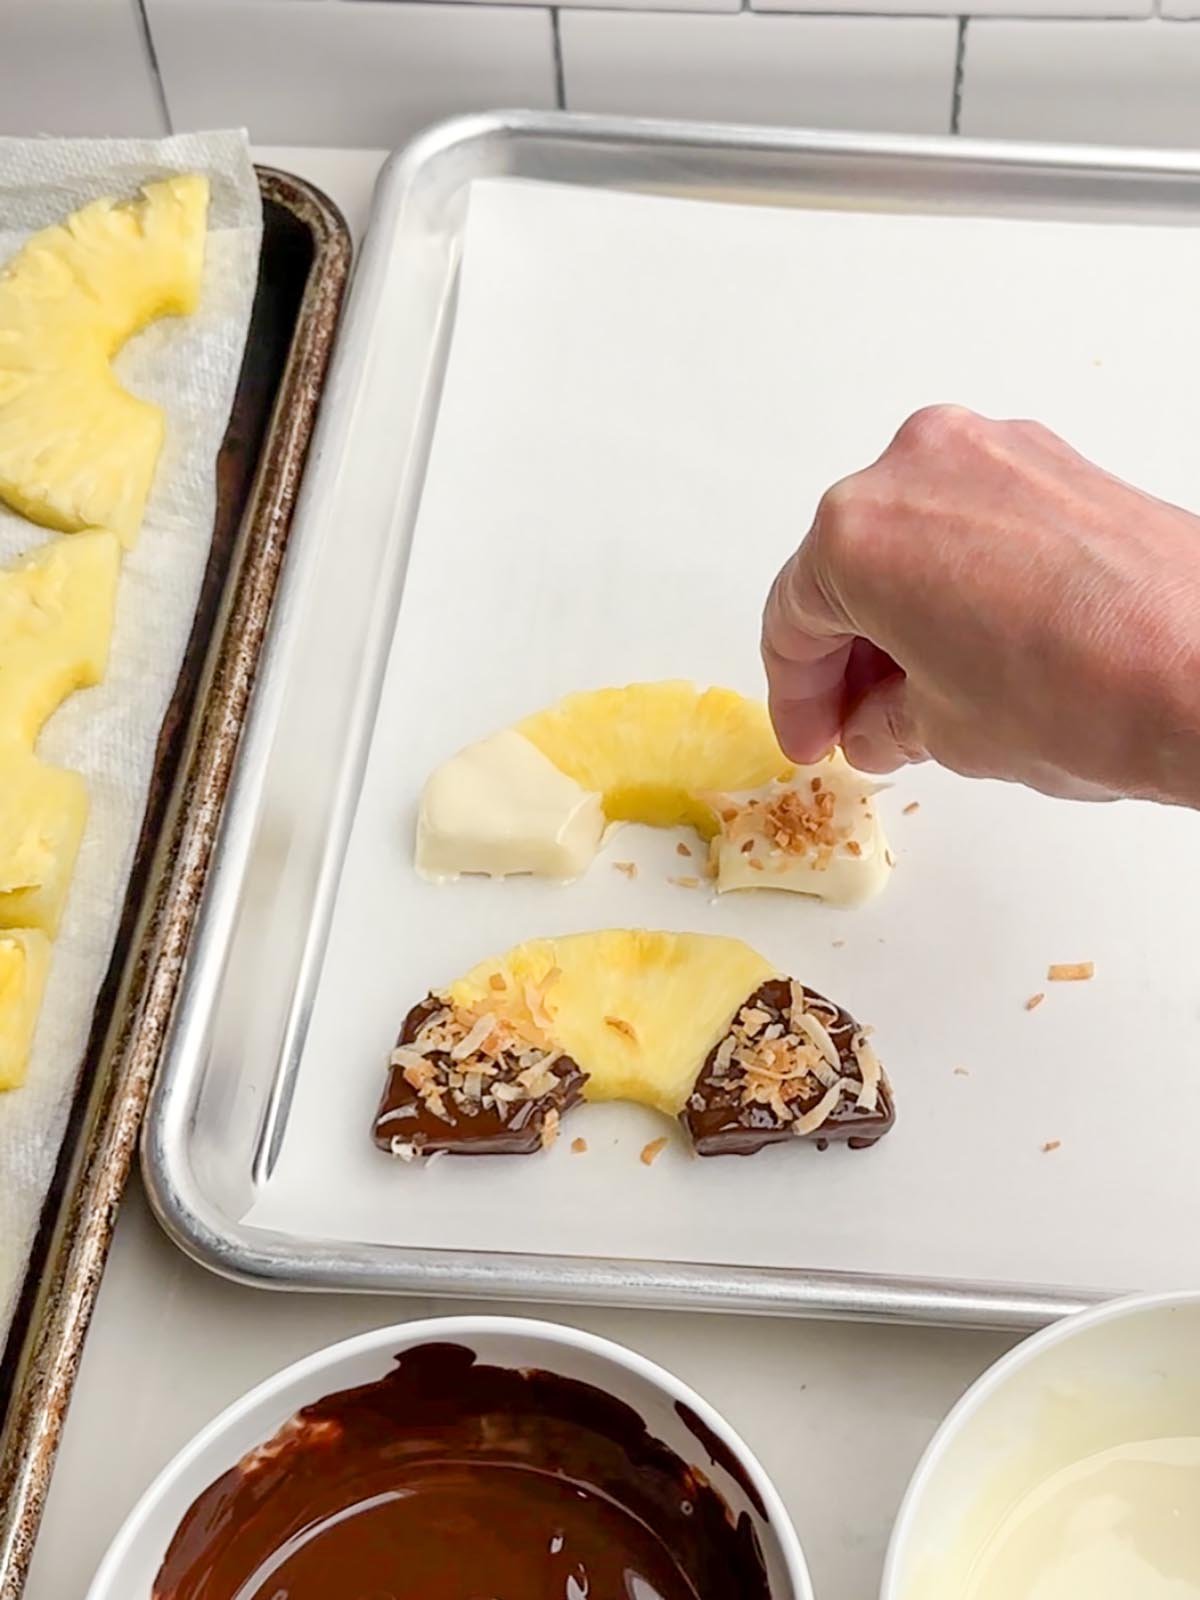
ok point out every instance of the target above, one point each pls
(806, 645)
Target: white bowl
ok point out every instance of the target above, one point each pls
(128, 1570)
(1127, 1370)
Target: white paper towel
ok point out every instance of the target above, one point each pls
(189, 367)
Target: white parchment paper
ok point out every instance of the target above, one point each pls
(645, 399)
(189, 367)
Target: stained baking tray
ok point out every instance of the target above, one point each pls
(303, 269)
(222, 1099)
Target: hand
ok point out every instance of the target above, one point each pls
(985, 597)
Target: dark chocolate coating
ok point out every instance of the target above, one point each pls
(451, 1480)
(721, 1125)
(482, 1133)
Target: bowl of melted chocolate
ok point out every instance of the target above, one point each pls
(473, 1458)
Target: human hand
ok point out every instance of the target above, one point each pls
(985, 597)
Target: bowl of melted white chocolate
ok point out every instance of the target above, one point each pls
(1070, 1471)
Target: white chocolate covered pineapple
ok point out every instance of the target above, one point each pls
(536, 798)
(817, 834)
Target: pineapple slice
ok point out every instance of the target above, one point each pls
(56, 617)
(654, 750)
(77, 451)
(534, 798)
(638, 1011)
(24, 963)
(43, 812)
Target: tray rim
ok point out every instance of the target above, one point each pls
(269, 1259)
(82, 1234)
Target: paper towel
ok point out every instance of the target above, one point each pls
(189, 367)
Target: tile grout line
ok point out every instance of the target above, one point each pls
(560, 85)
(960, 64)
(152, 58)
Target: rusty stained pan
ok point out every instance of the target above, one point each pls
(302, 276)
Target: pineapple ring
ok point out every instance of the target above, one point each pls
(538, 797)
(76, 449)
(692, 1025)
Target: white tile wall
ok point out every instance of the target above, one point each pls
(829, 72)
(1107, 82)
(346, 72)
(75, 67)
(975, 8)
(1181, 8)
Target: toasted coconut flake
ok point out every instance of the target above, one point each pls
(962, 1072)
(1034, 1002)
(753, 1020)
(1051, 1144)
(853, 848)
(724, 1056)
(496, 981)
(550, 1128)
(755, 864)
(420, 1074)
(478, 1035)
(824, 1108)
(685, 883)
(652, 1151)
(682, 849)
(870, 1068)
(815, 1031)
(403, 1149)
(911, 808)
(397, 1114)
(1071, 971)
(438, 1019)
(629, 868)
(579, 1147)
(625, 1029)
(404, 1055)
(472, 1085)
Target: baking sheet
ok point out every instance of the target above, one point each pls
(189, 367)
(644, 400)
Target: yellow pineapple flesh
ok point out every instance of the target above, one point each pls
(638, 1011)
(24, 964)
(56, 618)
(76, 450)
(43, 812)
(656, 751)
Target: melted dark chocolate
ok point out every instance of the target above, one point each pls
(722, 1123)
(406, 1124)
(450, 1480)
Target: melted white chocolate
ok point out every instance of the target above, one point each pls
(501, 807)
(855, 866)
(1120, 1525)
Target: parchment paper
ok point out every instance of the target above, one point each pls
(189, 367)
(645, 399)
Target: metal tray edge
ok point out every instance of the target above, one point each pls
(83, 1233)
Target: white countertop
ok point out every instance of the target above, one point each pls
(838, 1413)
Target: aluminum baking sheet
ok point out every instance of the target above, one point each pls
(633, 404)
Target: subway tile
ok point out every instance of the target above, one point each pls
(824, 72)
(1099, 82)
(76, 67)
(346, 72)
(621, 5)
(974, 8)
